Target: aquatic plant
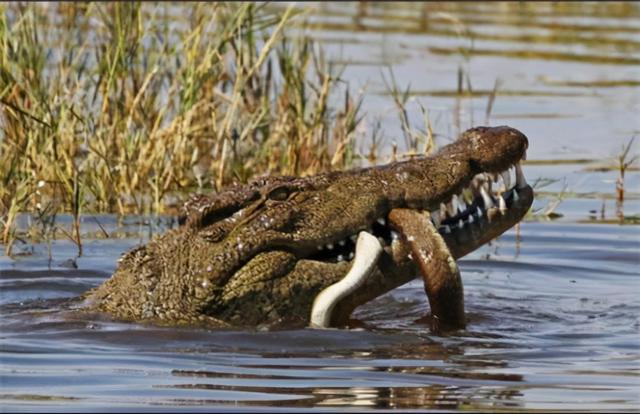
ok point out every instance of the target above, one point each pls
(123, 107)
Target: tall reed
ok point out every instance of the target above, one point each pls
(124, 107)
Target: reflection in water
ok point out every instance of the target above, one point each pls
(433, 386)
(620, 211)
(434, 396)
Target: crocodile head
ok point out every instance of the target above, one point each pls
(261, 252)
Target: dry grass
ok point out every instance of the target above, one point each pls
(123, 107)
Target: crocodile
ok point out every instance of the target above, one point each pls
(261, 253)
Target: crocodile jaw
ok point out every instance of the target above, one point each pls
(489, 205)
(396, 265)
(482, 220)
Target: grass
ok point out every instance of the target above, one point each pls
(624, 161)
(120, 108)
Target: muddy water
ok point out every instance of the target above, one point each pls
(553, 307)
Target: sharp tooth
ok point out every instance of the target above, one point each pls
(499, 183)
(516, 197)
(488, 202)
(502, 204)
(381, 221)
(394, 236)
(435, 216)
(460, 223)
(340, 258)
(520, 181)
(478, 212)
(462, 206)
(351, 255)
(506, 177)
(342, 242)
(447, 229)
(453, 206)
(470, 218)
(330, 246)
(320, 247)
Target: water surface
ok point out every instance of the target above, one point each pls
(553, 324)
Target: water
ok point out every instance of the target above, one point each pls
(553, 323)
(568, 76)
(553, 307)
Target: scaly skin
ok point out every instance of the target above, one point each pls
(250, 255)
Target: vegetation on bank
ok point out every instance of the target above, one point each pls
(126, 108)
(119, 107)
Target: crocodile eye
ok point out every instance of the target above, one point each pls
(279, 194)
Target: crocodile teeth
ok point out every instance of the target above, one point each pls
(520, 181)
(340, 258)
(353, 238)
(330, 246)
(394, 235)
(382, 221)
(452, 207)
(506, 177)
(342, 242)
(488, 181)
(447, 229)
(460, 223)
(516, 197)
(462, 206)
(320, 247)
(351, 254)
(502, 204)
(488, 202)
(470, 220)
(478, 211)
